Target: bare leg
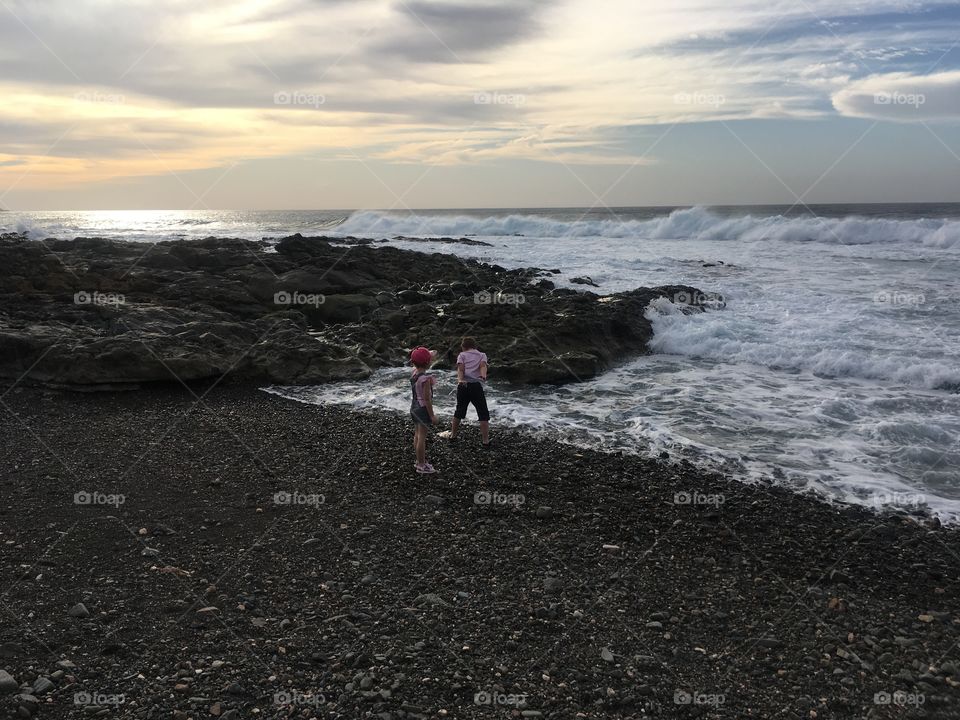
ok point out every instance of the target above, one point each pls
(454, 428)
(485, 431)
(421, 444)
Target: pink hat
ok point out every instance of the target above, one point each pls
(421, 356)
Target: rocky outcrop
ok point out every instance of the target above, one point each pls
(93, 313)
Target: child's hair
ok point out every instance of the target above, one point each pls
(468, 343)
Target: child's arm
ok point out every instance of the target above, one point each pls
(428, 400)
(460, 378)
(483, 370)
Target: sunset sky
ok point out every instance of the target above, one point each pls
(527, 103)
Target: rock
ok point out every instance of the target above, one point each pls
(433, 499)
(8, 683)
(303, 314)
(27, 702)
(838, 577)
(42, 685)
(543, 512)
(553, 585)
(79, 611)
(429, 600)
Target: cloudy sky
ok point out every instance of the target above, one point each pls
(504, 103)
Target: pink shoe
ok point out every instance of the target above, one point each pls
(426, 469)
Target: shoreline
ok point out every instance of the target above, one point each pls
(601, 592)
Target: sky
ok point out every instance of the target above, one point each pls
(257, 104)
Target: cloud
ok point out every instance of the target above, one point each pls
(438, 81)
(902, 97)
(447, 32)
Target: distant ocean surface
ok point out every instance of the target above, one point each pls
(835, 366)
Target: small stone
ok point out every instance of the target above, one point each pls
(209, 610)
(925, 618)
(553, 585)
(8, 683)
(150, 552)
(612, 549)
(79, 611)
(543, 512)
(430, 599)
(216, 709)
(27, 704)
(434, 499)
(654, 624)
(42, 685)
(839, 577)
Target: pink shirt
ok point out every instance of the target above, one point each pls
(471, 359)
(424, 379)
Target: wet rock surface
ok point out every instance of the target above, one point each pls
(302, 569)
(98, 314)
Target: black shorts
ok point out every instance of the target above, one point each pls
(472, 392)
(421, 417)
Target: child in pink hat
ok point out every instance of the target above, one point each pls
(421, 405)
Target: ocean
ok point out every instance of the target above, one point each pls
(832, 368)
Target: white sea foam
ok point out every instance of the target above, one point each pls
(689, 224)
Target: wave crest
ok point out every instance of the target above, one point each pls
(697, 223)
